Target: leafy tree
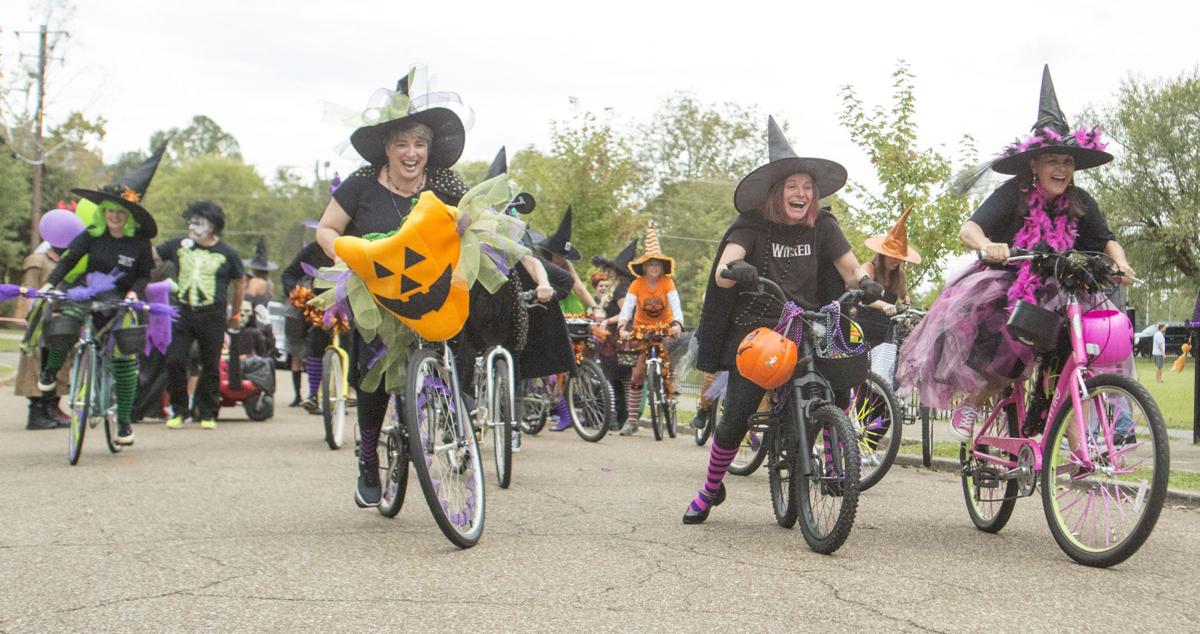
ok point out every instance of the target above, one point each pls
(1151, 192)
(202, 137)
(910, 176)
(73, 158)
(472, 171)
(14, 213)
(687, 140)
(250, 210)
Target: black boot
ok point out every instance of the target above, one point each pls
(701, 419)
(296, 387)
(37, 416)
(50, 407)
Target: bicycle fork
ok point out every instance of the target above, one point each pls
(499, 352)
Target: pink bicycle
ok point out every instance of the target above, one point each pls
(1102, 461)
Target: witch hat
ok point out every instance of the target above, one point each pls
(1052, 135)
(260, 262)
(751, 193)
(129, 192)
(621, 264)
(652, 252)
(523, 202)
(559, 242)
(895, 243)
(499, 165)
(406, 106)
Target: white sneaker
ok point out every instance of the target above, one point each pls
(962, 422)
(516, 441)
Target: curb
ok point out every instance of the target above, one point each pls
(1174, 496)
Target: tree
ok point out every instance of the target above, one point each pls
(909, 175)
(202, 137)
(14, 212)
(1151, 192)
(250, 210)
(472, 172)
(688, 140)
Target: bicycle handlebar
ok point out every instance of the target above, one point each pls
(769, 287)
(1017, 254)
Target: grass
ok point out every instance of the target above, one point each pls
(9, 345)
(1174, 394)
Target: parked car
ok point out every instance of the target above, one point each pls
(1175, 334)
(282, 359)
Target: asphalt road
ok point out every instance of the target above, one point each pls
(252, 528)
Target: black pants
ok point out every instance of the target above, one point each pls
(742, 398)
(205, 326)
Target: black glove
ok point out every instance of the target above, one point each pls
(872, 291)
(742, 272)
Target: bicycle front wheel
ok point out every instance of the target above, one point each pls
(875, 414)
(502, 420)
(393, 465)
(443, 449)
(828, 497)
(926, 431)
(333, 398)
(82, 388)
(1101, 514)
(590, 401)
(651, 387)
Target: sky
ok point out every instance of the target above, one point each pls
(262, 70)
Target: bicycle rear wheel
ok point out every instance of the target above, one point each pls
(394, 463)
(926, 430)
(534, 406)
(590, 401)
(828, 498)
(875, 414)
(990, 507)
(751, 453)
(710, 422)
(107, 393)
(82, 386)
(500, 410)
(783, 460)
(333, 399)
(666, 410)
(444, 451)
(1100, 516)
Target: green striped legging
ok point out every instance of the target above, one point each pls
(124, 366)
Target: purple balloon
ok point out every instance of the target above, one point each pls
(59, 227)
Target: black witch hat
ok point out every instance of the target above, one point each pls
(260, 262)
(751, 193)
(524, 202)
(404, 107)
(129, 192)
(621, 264)
(559, 242)
(1052, 135)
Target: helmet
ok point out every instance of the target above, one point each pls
(766, 358)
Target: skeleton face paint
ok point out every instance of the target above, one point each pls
(199, 228)
(245, 313)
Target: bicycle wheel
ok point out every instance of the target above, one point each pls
(1101, 515)
(590, 401)
(750, 455)
(443, 450)
(393, 464)
(666, 409)
(500, 410)
(652, 396)
(109, 398)
(990, 507)
(783, 462)
(828, 498)
(534, 405)
(926, 431)
(82, 387)
(875, 414)
(710, 423)
(333, 399)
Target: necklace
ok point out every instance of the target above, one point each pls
(393, 192)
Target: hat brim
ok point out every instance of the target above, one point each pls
(612, 265)
(876, 244)
(256, 266)
(570, 253)
(1085, 158)
(638, 266)
(449, 137)
(751, 193)
(147, 227)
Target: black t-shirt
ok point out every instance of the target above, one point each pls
(204, 272)
(313, 255)
(129, 256)
(998, 218)
(793, 255)
(373, 208)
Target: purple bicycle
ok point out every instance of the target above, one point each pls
(1093, 440)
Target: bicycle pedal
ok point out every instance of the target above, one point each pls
(987, 478)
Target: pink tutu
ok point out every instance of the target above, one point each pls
(962, 346)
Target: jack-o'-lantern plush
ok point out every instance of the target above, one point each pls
(767, 358)
(654, 306)
(411, 273)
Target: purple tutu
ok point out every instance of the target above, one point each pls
(962, 346)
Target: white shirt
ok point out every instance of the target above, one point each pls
(1159, 348)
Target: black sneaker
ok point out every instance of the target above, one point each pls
(368, 491)
(311, 405)
(701, 419)
(124, 435)
(47, 379)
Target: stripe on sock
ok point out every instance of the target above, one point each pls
(633, 403)
(368, 445)
(312, 367)
(125, 385)
(718, 463)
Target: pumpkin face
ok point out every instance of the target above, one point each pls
(766, 358)
(653, 307)
(411, 273)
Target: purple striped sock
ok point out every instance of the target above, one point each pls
(312, 367)
(368, 446)
(718, 464)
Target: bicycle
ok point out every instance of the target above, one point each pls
(659, 393)
(589, 395)
(92, 398)
(1101, 465)
(812, 452)
(874, 411)
(335, 386)
(912, 410)
(494, 406)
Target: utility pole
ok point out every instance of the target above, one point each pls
(39, 157)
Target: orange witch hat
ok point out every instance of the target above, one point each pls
(895, 243)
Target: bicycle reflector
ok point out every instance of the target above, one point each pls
(766, 358)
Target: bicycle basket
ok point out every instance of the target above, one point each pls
(1035, 326)
(841, 352)
(579, 329)
(62, 331)
(627, 358)
(130, 339)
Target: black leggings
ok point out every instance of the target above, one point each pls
(742, 398)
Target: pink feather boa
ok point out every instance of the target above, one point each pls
(1055, 228)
